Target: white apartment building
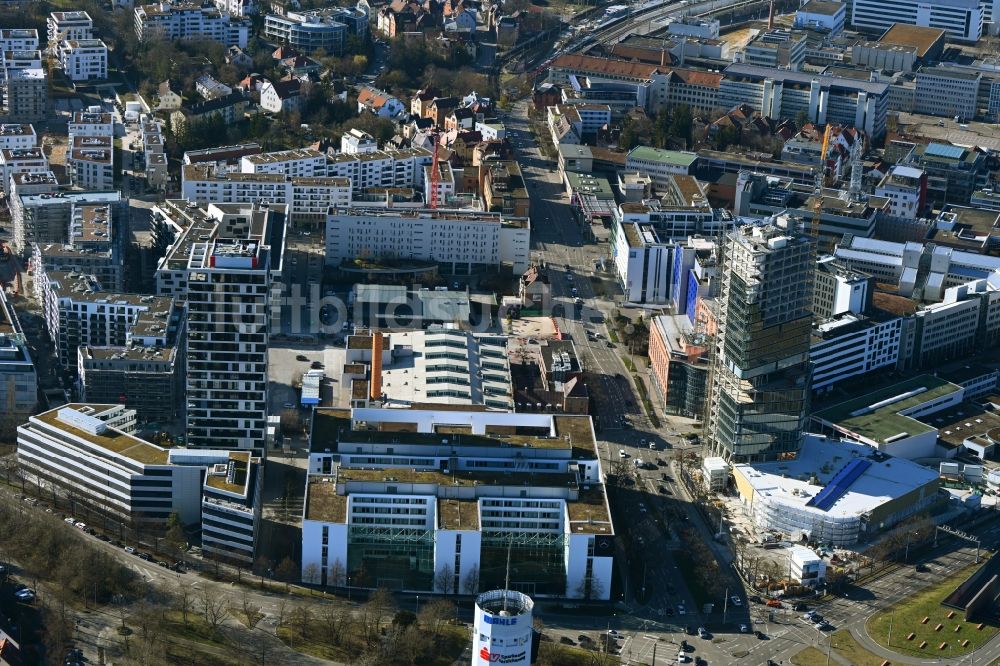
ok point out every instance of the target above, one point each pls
(84, 59)
(78, 312)
(90, 450)
(906, 189)
(24, 86)
(18, 39)
(90, 163)
(183, 21)
(308, 198)
(781, 93)
(228, 325)
(396, 168)
(963, 19)
(42, 214)
(18, 379)
(825, 15)
(446, 512)
(21, 160)
(355, 141)
(326, 28)
(92, 122)
(296, 162)
(852, 345)
(660, 164)
(458, 240)
(17, 136)
(69, 25)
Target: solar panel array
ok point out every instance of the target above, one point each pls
(944, 150)
(839, 484)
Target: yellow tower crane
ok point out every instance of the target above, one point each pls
(820, 178)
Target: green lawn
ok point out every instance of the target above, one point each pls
(907, 614)
(844, 645)
(809, 656)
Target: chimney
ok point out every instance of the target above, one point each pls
(770, 17)
(375, 385)
(663, 57)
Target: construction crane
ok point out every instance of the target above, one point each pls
(820, 177)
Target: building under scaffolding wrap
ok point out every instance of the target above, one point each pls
(761, 381)
(425, 499)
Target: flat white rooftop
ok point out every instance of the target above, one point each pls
(886, 479)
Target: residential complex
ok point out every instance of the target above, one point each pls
(325, 29)
(84, 59)
(456, 240)
(189, 21)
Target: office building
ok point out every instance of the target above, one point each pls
(90, 450)
(231, 500)
(678, 365)
(440, 365)
(228, 284)
(84, 59)
(947, 91)
(891, 419)
(961, 19)
(849, 345)
(775, 48)
(458, 241)
(805, 567)
(822, 15)
(42, 214)
(780, 93)
(189, 21)
(90, 163)
(326, 28)
(760, 376)
(833, 492)
(18, 379)
(17, 136)
(24, 87)
(919, 271)
(443, 500)
(64, 26)
(759, 195)
(308, 197)
(954, 173)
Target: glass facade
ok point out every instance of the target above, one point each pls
(537, 562)
(390, 556)
(761, 379)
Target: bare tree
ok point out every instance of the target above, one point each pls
(302, 617)
(281, 610)
(444, 579)
(312, 574)
(470, 583)
(380, 605)
(435, 614)
(334, 619)
(183, 600)
(216, 609)
(286, 571)
(337, 575)
(252, 613)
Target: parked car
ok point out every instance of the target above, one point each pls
(130, 550)
(703, 633)
(736, 601)
(774, 603)
(744, 629)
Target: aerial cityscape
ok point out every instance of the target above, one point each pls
(513, 332)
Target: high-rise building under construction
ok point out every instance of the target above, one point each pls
(760, 381)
